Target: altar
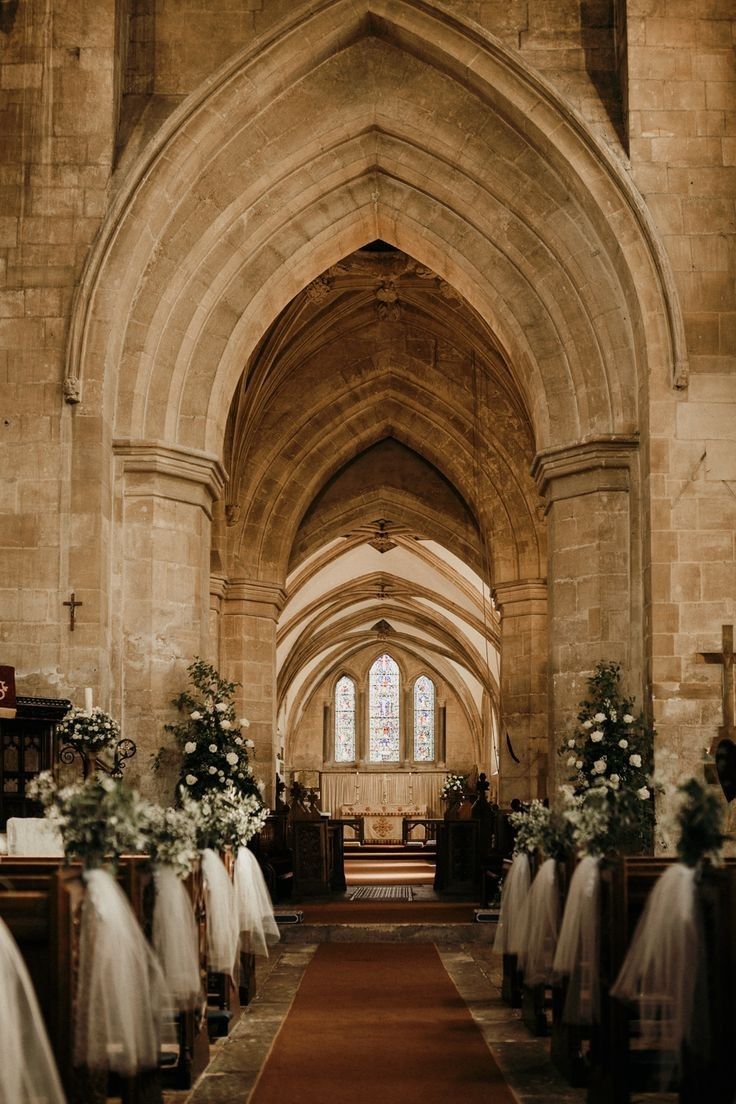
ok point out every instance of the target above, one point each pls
(383, 823)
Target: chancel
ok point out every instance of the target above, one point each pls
(367, 564)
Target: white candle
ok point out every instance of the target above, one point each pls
(88, 698)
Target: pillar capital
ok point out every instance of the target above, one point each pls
(170, 471)
(254, 599)
(521, 596)
(600, 464)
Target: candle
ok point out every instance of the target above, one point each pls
(88, 698)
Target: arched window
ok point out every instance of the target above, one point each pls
(383, 682)
(345, 720)
(423, 720)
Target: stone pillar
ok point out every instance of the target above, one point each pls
(249, 620)
(594, 570)
(524, 650)
(161, 596)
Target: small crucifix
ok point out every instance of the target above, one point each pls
(73, 605)
(725, 657)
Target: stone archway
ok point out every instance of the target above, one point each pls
(435, 138)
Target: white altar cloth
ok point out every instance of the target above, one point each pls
(34, 836)
(383, 823)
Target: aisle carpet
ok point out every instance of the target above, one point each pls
(379, 1023)
(388, 912)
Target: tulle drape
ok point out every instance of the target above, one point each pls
(258, 927)
(660, 970)
(541, 926)
(121, 992)
(176, 939)
(577, 954)
(513, 894)
(27, 1070)
(223, 924)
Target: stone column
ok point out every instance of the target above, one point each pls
(594, 570)
(249, 620)
(161, 595)
(523, 607)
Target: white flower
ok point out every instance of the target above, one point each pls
(596, 736)
(231, 758)
(587, 724)
(225, 725)
(212, 748)
(190, 746)
(244, 722)
(628, 719)
(599, 766)
(221, 707)
(220, 774)
(238, 740)
(212, 770)
(190, 779)
(599, 717)
(623, 743)
(261, 787)
(643, 793)
(579, 764)
(613, 715)
(571, 761)
(249, 744)
(571, 743)
(635, 760)
(196, 715)
(614, 780)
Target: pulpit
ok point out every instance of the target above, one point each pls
(383, 823)
(27, 747)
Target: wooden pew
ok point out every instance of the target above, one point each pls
(569, 1042)
(272, 849)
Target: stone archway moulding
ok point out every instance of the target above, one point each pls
(136, 234)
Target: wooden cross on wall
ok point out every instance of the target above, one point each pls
(725, 657)
(73, 607)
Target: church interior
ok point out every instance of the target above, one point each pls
(367, 551)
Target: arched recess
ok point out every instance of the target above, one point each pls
(356, 120)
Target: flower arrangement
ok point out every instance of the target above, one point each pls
(215, 751)
(171, 838)
(589, 816)
(224, 818)
(99, 820)
(89, 729)
(539, 828)
(699, 816)
(611, 753)
(454, 788)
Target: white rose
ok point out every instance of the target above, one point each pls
(579, 764)
(635, 760)
(212, 748)
(628, 719)
(615, 781)
(239, 740)
(596, 736)
(587, 724)
(220, 774)
(190, 779)
(643, 793)
(231, 758)
(599, 717)
(249, 744)
(225, 725)
(190, 746)
(196, 715)
(599, 766)
(623, 743)
(221, 707)
(244, 722)
(571, 743)
(212, 770)
(571, 761)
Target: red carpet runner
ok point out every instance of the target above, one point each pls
(379, 1024)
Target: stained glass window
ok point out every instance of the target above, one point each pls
(424, 720)
(383, 682)
(345, 720)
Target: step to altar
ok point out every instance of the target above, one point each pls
(442, 934)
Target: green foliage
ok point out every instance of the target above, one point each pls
(611, 753)
(454, 788)
(539, 828)
(91, 730)
(225, 818)
(214, 749)
(700, 821)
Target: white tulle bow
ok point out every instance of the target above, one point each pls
(27, 1070)
(121, 995)
(223, 925)
(513, 894)
(541, 926)
(661, 966)
(176, 939)
(577, 951)
(258, 927)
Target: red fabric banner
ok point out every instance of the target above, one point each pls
(7, 692)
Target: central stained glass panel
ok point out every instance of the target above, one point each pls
(384, 711)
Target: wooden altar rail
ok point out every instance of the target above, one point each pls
(430, 825)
